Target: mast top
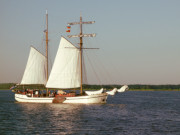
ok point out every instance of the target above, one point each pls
(81, 33)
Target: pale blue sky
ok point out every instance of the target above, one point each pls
(139, 40)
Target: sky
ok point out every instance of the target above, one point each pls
(139, 40)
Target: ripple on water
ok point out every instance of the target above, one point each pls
(130, 113)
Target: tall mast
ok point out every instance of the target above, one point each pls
(46, 50)
(81, 44)
(81, 35)
(46, 45)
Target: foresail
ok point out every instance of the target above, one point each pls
(65, 72)
(35, 72)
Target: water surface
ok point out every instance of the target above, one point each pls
(129, 113)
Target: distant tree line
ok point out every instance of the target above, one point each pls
(5, 86)
(155, 87)
(135, 87)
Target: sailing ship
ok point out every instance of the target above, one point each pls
(66, 73)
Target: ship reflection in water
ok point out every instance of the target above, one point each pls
(67, 118)
(51, 118)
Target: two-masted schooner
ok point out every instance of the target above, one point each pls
(66, 73)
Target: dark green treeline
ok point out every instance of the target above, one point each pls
(4, 86)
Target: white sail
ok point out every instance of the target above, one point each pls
(65, 72)
(35, 72)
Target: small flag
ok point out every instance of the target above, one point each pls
(69, 27)
(68, 30)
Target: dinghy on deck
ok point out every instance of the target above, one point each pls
(112, 92)
(94, 92)
(123, 88)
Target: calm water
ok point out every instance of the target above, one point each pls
(129, 113)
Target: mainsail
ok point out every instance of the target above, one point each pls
(65, 72)
(35, 72)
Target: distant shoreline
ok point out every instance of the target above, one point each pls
(132, 87)
(154, 90)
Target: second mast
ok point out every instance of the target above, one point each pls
(81, 35)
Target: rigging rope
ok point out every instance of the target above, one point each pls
(94, 70)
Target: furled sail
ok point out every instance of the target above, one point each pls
(65, 72)
(35, 72)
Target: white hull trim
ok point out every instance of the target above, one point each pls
(92, 99)
(24, 98)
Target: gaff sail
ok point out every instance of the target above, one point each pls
(65, 72)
